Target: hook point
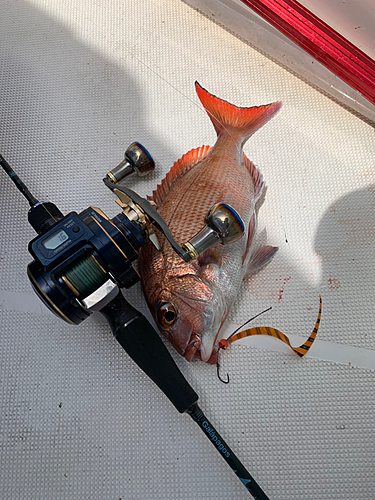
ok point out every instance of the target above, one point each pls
(218, 375)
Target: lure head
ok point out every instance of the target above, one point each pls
(223, 344)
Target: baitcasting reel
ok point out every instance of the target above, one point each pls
(82, 260)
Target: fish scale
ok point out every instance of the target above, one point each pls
(190, 301)
(193, 198)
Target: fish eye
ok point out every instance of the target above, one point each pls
(166, 313)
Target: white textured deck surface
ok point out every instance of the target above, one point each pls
(79, 81)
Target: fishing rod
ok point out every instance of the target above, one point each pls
(82, 261)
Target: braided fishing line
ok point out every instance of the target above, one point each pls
(230, 336)
(204, 111)
(85, 275)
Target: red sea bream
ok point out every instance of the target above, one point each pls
(190, 301)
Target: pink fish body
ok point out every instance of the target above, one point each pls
(190, 301)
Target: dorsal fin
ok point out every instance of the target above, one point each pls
(179, 169)
(257, 177)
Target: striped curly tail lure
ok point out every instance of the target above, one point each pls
(273, 332)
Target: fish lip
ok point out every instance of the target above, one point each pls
(213, 359)
(205, 354)
(192, 347)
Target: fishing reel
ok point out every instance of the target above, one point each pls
(81, 261)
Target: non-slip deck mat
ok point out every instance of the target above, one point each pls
(79, 81)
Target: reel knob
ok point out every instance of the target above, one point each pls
(226, 222)
(137, 161)
(223, 225)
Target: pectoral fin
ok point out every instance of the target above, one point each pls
(261, 256)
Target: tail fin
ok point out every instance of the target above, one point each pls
(227, 117)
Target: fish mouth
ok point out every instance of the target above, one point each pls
(207, 346)
(195, 330)
(192, 348)
(213, 359)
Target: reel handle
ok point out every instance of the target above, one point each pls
(137, 160)
(139, 339)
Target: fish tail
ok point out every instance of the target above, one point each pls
(228, 118)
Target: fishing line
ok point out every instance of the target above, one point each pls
(230, 336)
(49, 213)
(248, 321)
(186, 97)
(46, 209)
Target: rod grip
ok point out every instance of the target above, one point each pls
(143, 344)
